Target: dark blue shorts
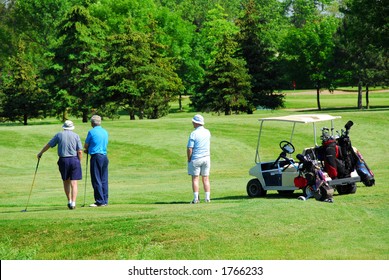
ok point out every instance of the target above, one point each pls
(70, 168)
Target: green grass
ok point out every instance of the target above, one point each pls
(149, 216)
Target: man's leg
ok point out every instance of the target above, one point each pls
(66, 188)
(195, 188)
(74, 191)
(96, 171)
(207, 188)
(104, 180)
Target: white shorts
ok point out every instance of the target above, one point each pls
(200, 166)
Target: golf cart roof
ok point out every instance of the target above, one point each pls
(309, 118)
(294, 119)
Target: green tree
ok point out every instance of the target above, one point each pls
(76, 62)
(6, 35)
(21, 96)
(227, 86)
(34, 22)
(257, 49)
(139, 76)
(309, 48)
(361, 44)
(178, 37)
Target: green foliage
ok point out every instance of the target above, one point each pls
(359, 48)
(227, 84)
(139, 75)
(77, 60)
(280, 41)
(21, 96)
(260, 55)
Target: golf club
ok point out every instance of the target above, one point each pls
(86, 177)
(32, 186)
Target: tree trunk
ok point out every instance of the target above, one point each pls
(318, 98)
(84, 116)
(25, 119)
(64, 115)
(367, 97)
(180, 103)
(359, 105)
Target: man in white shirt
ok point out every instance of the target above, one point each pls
(199, 158)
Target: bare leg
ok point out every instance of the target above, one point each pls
(66, 187)
(195, 187)
(207, 185)
(195, 183)
(74, 191)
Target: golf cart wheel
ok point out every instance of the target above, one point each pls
(347, 189)
(255, 189)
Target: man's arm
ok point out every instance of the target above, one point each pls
(189, 152)
(79, 155)
(86, 146)
(45, 148)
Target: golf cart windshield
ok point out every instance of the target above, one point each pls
(304, 119)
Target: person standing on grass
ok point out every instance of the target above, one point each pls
(199, 158)
(69, 162)
(96, 145)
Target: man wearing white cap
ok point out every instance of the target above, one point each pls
(199, 158)
(69, 163)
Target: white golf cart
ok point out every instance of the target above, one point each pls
(279, 174)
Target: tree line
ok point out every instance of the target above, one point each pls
(77, 57)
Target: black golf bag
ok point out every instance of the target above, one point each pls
(315, 179)
(332, 156)
(341, 158)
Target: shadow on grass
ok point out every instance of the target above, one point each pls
(344, 109)
(12, 124)
(34, 210)
(242, 197)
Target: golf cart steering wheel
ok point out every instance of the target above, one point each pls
(287, 148)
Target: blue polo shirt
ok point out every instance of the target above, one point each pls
(200, 142)
(97, 140)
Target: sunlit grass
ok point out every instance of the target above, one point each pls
(149, 216)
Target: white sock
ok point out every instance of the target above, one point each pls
(207, 195)
(195, 195)
(73, 203)
(70, 202)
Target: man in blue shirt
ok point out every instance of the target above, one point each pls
(199, 158)
(96, 145)
(69, 163)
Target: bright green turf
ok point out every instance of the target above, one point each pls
(149, 216)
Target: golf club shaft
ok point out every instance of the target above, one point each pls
(33, 181)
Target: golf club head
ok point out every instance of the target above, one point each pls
(25, 210)
(348, 125)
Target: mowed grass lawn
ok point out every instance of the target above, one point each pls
(149, 216)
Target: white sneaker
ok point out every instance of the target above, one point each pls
(97, 205)
(195, 201)
(207, 200)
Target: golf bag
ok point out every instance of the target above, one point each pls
(315, 179)
(332, 156)
(367, 176)
(341, 158)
